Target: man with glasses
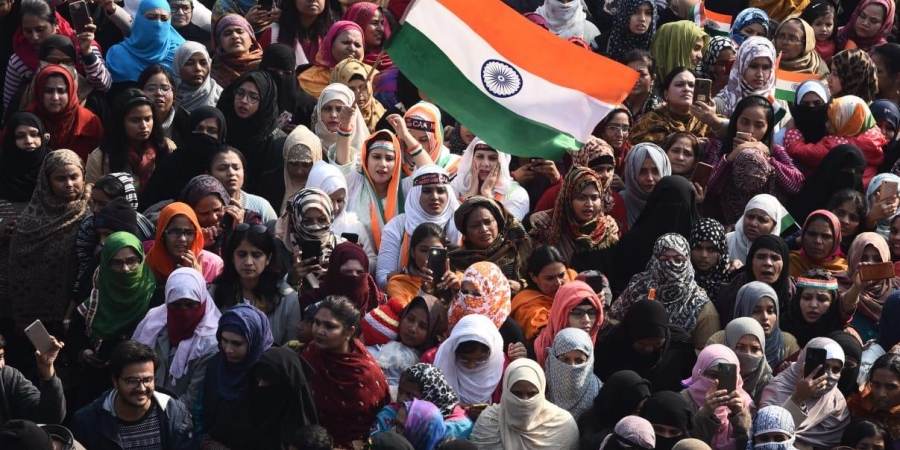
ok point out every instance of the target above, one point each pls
(133, 415)
(182, 17)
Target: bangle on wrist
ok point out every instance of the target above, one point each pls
(417, 152)
(415, 149)
(343, 133)
(345, 130)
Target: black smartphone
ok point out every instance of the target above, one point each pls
(437, 262)
(227, 222)
(352, 237)
(727, 377)
(310, 249)
(535, 161)
(815, 357)
(80, 16)
(266, 4)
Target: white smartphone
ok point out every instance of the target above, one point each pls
(39, 336)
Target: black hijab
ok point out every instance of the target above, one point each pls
(671, 208)
(173, 174)
(727, 297)
(670, 409)
(810, 120)
(829, 177)
(281, 57)
(619, 397)
(19, 169)
(852, 358)
(247, 134)
(57, 42)
(793, 322)
(266, 416)
(208, 112)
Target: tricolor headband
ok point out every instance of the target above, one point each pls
(382, 145)
(431, 178)
(813, 283)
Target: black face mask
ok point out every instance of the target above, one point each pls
(666, 443)
(811, 121)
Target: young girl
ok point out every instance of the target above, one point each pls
(820, 14)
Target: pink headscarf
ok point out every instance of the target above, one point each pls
(324, 58)
(848, 33)
(567, 298)
(698, 385)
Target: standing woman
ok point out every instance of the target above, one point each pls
(484, 171)
(762, 216)
(424, 123)
(840, 170)
(158, 83)
(376, 32)
(301, 151)
(345, 373)
(152, 40)
(820, 245)
(752, 74)
(301, 26)
(295, 106)
(42, 242)
(869, 25)
(344, 40)
(227, 166)
(569, 20)
(887, 64)
(678, 44)
(878, 402)
(196, 87)
(758, 300)
(237, 51)
(70, 125)
(634, 24)
(817, 308)
(472, 360)
(614, 130)
(678, 92)
(643, 97)
(575, 305)
(134, 145)
(767, 260)
(327, 118)
(709, 255)
(347, 277)
(250, 107)
(23, 149)
(355, 75)
(179, 243)
(645, 165)
(547, 272)
(683, 150)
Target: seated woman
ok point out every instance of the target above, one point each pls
(820, 245)
(347, 276)
(424, 123)
(840, 170)
(183, 333)
(719, 417)
(624, 393)
(158, 83)
(773, 427)
(881, 210)
(817, 308)
(237, 51)
(249, 278)
(525, 418)
(152, 40)
(250, 107)
(134, 144)
(571, 383)
(354, 75)
(853, 73)
(677, 45)
(56, 104)
(678, 92)
(472, 359)
(344, 373)
(416, 278)
(227, 165)
(864, 433)
(709, 255)
(431, 199)
(795, 39)
(646, 343)
(815, 403)
(547, 272)
(849, 122)
(753, 74)
(719, 53)
(869, 25)
(575, 306)
(762, 216)
(485, 172)
(179, 243)
(243, 334)
(747, 162)
(579, 228)
(196, 87)
(669, 279)
(746, 337)
(344, 40)
(683, 150)
(868, 248)
(643, 98)
(645, 165)
(874, 404)
(749, 23)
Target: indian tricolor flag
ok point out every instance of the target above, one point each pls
(786, 84)
(518, 87)
(717, 24)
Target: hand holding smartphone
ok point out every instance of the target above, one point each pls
(39, 337)
(80, 16)
(815, 358)
(437, 263)
(876, 271)
(727, 377)
(702, 172)
(703, 90)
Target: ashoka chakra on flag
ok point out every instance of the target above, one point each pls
(500, 79)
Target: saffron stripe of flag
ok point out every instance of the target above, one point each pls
(786, 84)
(717, 24)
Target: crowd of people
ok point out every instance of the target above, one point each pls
(243, 227)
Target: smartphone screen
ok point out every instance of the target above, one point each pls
(437, 262)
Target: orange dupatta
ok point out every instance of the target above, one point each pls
(158, 258)
(393, 202)
(531, 308)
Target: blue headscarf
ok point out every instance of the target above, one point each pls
(150, 42)
(253, 325)
(746, 18)
(886, 111)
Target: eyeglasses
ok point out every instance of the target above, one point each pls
(616, 128)
(57, 61)
(180, 7)
(258, 229)
(789, 38)
(133, 382)
(252, 97)
(120, 264)
(153, 88)
(179, 232)
(577, 313)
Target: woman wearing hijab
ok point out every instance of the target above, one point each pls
(882, 211)
(853, 73)
(720, 52)
(243, 334)
(474, 380)
(426, 382)
(796, 41)
(524, 418)
(69, 125)
(484, 171)
(329, 179)
(302, 149)
(183, 333)
(645, 165)
(670, 413)
(887, 116)
(179, 243)
(817, 308)
(842, 168)
(424, 122)
(749, 23)
(646, 343)
(250, 107)
(327, 118)
(307, 218)
(345, 39)
(196, 87)
(152, 40)
(677, 44)
(810, 114)
(762, 215)
(579, 227)
(817, 406)
(709, 255)
(215, 210)
(868, 248)
(237, 51)
(295, 106)
(622, 395)
(376, 32)
(345, 372)
(576, 305)
(348, 276)
(276, 400)
(754, 55)
(571, 383)
(421, 423)
(42, 239)
(24, 147)
(354, 75)
(773, 429)
(485, 291)
(720, 417)
(568, 20)
(547, 271)
(630, 432)
(669, 279)
(634, 24)
(431, 199)
(848, 384)
(869, 25)
(746, 337)
(820, 244)
(675, 116)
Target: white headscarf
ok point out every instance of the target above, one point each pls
(566, 20)
(465, 177)
(635, 199)
(338, 91)
(572, 388)
(415, 216)
(187, 283)
(327, 178)
(473, 386)
(738, 243)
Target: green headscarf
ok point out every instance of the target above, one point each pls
(119, 299)
(672, 45)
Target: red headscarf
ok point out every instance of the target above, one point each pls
(361, 290)
(848, 33)
(567, 298)
(158, 258)
(324, 58)
(73, 126)
(362, 13)
(27, 53)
